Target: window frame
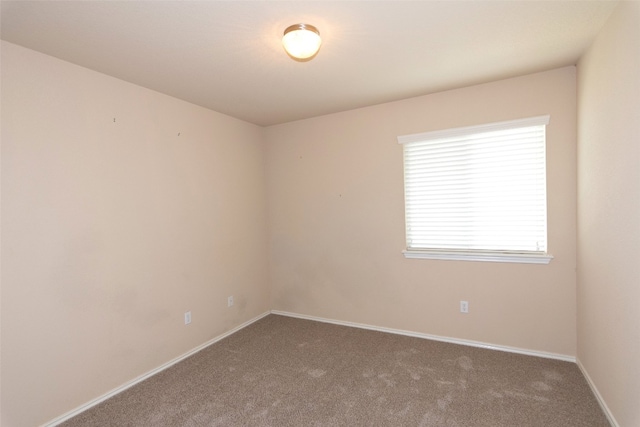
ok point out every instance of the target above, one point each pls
(506, 256)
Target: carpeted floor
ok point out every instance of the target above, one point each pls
(282, 371)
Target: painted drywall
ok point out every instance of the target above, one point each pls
(336, 222)
(608, 290)
(122, 208)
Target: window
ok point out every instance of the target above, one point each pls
(477, 193)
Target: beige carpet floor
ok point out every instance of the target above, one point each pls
(282, 371)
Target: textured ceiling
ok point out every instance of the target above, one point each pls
(227, 55)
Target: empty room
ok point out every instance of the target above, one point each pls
(430, 218)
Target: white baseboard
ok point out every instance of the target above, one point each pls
(161, 368)
(432, 337)
(599, 398)
(151, 373)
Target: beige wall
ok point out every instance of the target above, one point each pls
(609, 213)
(112, 230)
(336, 222)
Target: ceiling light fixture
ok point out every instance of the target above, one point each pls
(301, 41)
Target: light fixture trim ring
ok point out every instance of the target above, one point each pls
(296, 27)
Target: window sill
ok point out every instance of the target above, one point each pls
(520, 258)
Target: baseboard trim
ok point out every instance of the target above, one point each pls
(599, 398)
(149, 374)
(470, 343)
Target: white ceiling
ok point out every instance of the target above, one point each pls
(227, 55)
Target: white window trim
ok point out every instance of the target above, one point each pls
(486, 256)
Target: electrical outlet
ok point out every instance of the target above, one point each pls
(187, 317)
(230, 301)
(464, 306)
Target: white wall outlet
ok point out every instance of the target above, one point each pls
(230, 301)
(464, 306)
(187, 317)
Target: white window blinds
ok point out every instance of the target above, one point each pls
(480, 188)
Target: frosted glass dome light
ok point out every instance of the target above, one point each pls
(301, 41)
